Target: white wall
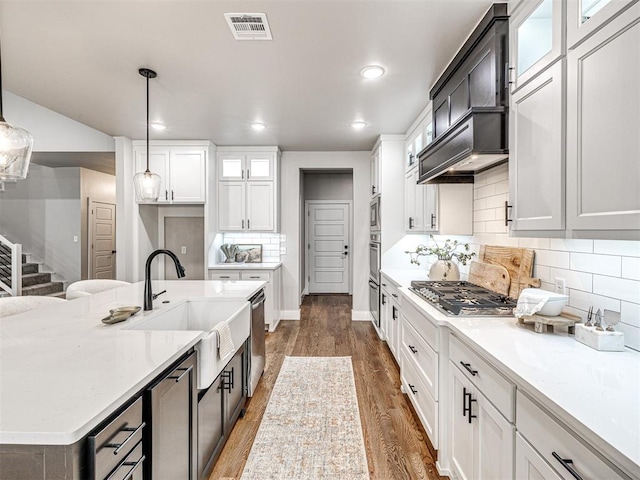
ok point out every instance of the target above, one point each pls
(602, 273)
(53, 132)
(328, 186)
(290, 195)
(42, 213)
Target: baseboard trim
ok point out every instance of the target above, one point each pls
(290, 315)
(360, 316)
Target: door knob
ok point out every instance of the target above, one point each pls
(113, 251)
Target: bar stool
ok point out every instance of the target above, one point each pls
(83, 288)
(14, 305)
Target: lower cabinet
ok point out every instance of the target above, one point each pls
(219, 407)
(272, 290)
(390, 315)
(171, 423)
(530, 465)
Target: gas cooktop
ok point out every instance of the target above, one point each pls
(459, 298)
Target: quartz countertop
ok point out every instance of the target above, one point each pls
(246, 266)
(595, 393)
(62, 371)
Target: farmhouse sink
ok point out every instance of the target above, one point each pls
(203, 315)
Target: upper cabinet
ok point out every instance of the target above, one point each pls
(585, 17)
(182, 169)
(375, 172)
(603, 136)
(248, 189)
(536, 39)
(246, 166)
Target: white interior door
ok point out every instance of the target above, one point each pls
(328, 246)
(102, 238)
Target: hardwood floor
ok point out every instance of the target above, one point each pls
(397, 446)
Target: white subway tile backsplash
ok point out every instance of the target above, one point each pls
(480, 204)
(576, 280)
(571, 245)
(535, 243)
(479, 227)
(617, 247)
(484, 215)
(631, 335)
(497, 201)
(541, 272)
(584, 300)
(630, 313)
(631, 268)
(502, 187)
(552, 258)
(496, 226)
(486, 191)
(601, 264)
(621, 288)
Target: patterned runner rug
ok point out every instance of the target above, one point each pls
(311, 427)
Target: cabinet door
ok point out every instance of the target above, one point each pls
(493, 442)
(187, 174)
(410, 189)
(260, 166)
(537, 153)
(260, 206)
(384, 314)
(158, 163)
(210, 427)
(231, 206)
(461, 430)
(410, 156)
(536, 38)
(430, 206)
(235, 386)
(603, 114)
(394, 329)
(530, 465)
(375, 172)
(585, 17)
(231, 166)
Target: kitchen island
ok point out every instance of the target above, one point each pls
(63, 372)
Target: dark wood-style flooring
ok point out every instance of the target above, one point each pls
(396, 444)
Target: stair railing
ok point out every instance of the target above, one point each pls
(10, 267)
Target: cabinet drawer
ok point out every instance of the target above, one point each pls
(131, 467)
(422, 325)
(264, 276)
(224, 275)
(548, 437)
(111, 444)
(425, 405)
(390, 286)
(492, 384)
(422, 356)
(530, 465)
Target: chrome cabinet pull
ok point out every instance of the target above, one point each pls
(413, 389)
(120, 446)
(413, 349)
(185, 372)
(567, 463)
(134, 466)
(467, 367)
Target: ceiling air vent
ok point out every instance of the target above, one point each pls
(249, 26)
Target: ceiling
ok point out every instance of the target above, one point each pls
(81, 58)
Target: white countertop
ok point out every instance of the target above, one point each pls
(62, 371)
(595, 393)
(246, 266)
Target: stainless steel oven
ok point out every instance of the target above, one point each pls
(374, 302)
(374, 278)
(374, 209)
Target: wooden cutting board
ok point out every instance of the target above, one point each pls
(493, 277)
(517, 261)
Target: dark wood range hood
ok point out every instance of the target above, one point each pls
(470, 106)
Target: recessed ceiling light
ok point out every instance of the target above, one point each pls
(359, 125)
(372, 71)
(158, 126)
(258, 126)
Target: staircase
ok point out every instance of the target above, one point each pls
(34, 282)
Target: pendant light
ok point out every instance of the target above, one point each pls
(147, 184)
(15, 147)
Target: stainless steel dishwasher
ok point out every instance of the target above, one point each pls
(256, 359)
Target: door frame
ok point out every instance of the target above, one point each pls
(307, 203)
(90, 218)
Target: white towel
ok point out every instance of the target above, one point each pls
(225, 342)
(531, 301)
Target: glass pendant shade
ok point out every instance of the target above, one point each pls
(147, 185)
(15, 152)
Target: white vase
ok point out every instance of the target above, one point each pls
(444, 270)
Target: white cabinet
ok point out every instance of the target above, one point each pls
(272, 289)
(247, 190)
(537, 153)
(556, 446)
(390, 314)
(481, 432)
(585, 17)
(182, 170)
(246, 166)
(530, 465)
(603, 141)
(375, 172)
(536, 38)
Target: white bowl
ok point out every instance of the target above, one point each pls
(554, 304)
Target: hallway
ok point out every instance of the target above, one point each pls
(395, 442)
